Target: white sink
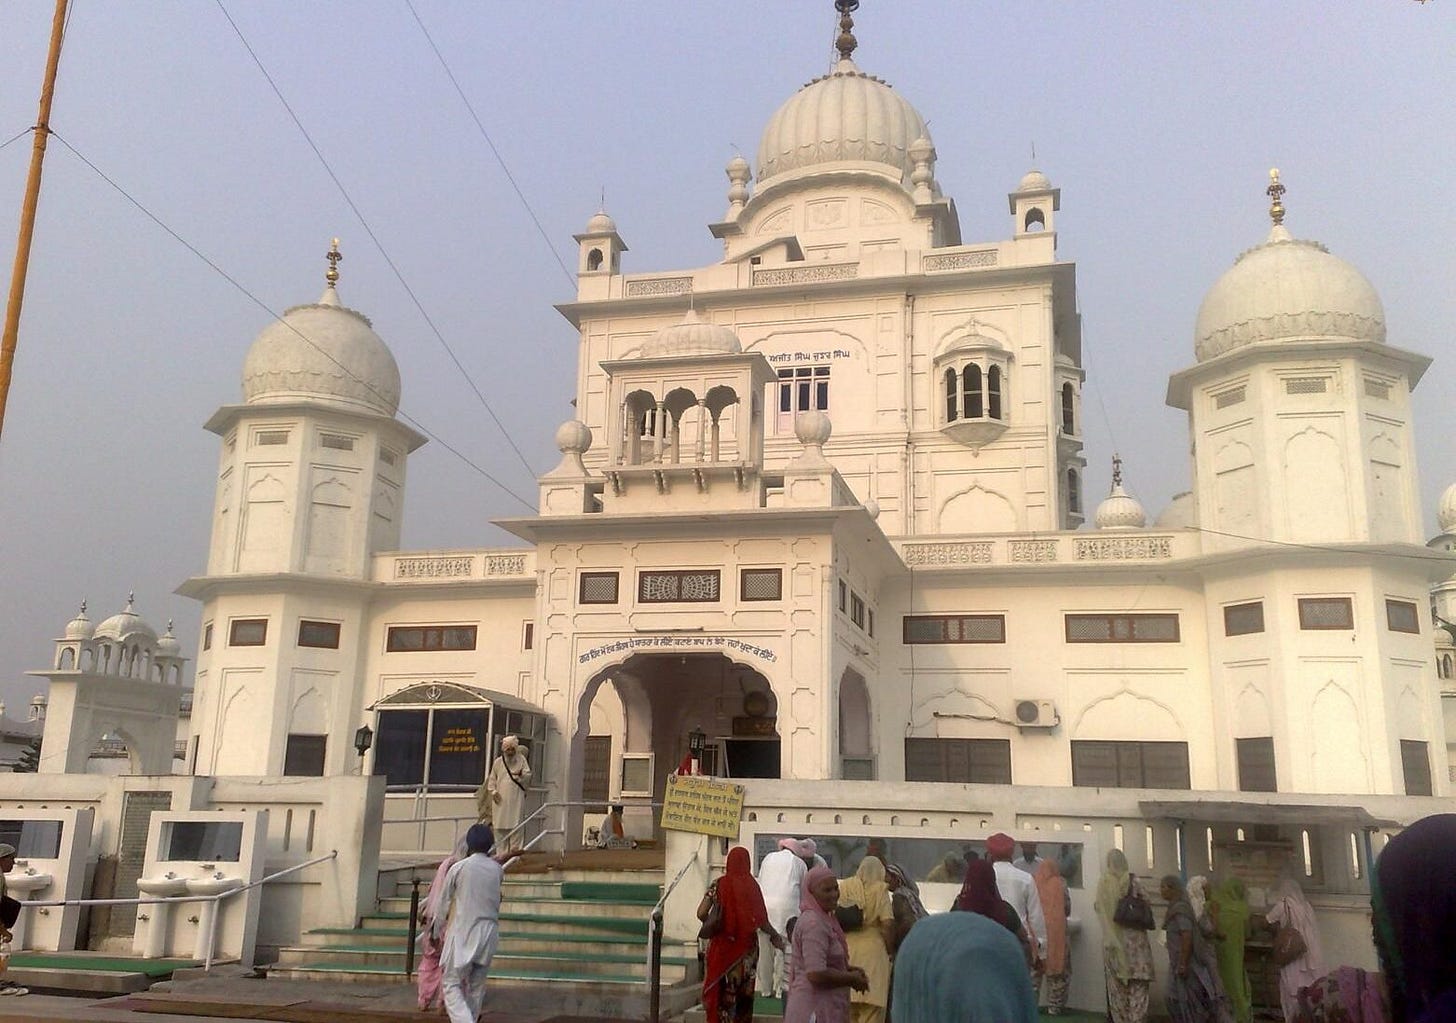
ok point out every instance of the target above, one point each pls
(27, 883)
(215, 885)
(160, 886)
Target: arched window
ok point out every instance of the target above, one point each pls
(1067, 421)
(950, 395)
(971, 402)
(993, 392)
(1446, 665)
(1035, 220)
(594, 259)
(1074, 492)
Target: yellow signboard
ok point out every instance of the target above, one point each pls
(702, 805)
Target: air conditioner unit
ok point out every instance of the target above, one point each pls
(1036, 714)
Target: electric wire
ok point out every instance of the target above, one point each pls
(16, 137)
(419, 306)
(480, 127)
(241, 288)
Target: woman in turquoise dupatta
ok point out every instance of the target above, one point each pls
(1228, 906)
(962, 968)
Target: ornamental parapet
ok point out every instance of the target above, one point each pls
(1058, 549)
(453, 566)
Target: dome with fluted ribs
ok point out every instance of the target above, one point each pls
(846, 115)
(691, 337)
(322, 352)
(1287, 289)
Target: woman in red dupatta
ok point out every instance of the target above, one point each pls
(730, 973)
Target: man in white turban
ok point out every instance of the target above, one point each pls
(502, 797)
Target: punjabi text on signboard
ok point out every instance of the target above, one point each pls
(702, 805)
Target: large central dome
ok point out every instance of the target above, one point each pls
(846, 115)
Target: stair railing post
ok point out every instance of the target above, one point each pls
(654, 967)
(409, 948)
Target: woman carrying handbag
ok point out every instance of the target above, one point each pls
(732, 913)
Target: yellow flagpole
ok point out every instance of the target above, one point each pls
(27, 212)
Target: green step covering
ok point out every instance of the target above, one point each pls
(616, 924)
(635, 956)
(608, 891)
(586, 939)
(97, 964)
(580, 978)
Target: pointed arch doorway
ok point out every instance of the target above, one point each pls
(633, 721)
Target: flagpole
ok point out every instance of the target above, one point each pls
(27, 211)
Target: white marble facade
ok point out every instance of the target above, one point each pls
(824, 503)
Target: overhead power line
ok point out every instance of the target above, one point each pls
(480, 127)
(419, 306)
(241, 288)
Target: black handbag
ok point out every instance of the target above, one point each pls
(713, 919)
(1133, 911)
(851, 918)
(9, 911)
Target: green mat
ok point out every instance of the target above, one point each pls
(97, 964)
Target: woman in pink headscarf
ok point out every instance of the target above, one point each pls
(1055, 907)
(820, 977)
(428, 980)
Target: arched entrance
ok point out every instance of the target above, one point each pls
(634, 718)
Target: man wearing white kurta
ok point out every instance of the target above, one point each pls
(473, 897)
(505, 786)
(1017, 888)
(781, 878)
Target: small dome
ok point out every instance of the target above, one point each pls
(846, 115)
(1034, 181)
(168, 645)
(1120, 510)
(322, 352)
(737, 165)
(691, 337)
(1181, 513)
(1287, 289)
(80, 627)
(600, 223)
(1446, 510)
(125, 624)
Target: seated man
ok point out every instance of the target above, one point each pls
(612, 835)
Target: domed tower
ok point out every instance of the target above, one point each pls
(313, 464)
(1305, 490)
(846, 166)
(1299, 410)
(310, 487)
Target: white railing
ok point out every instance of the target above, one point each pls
(152, 900)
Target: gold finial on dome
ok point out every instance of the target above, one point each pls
(1117, 470)
(845, 41)
(334, 257)
(1275, 192)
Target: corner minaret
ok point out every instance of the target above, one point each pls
(310, 487)
(1300, 411)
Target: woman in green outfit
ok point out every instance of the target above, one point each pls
(1228, 906)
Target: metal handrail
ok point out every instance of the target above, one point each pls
(216, 897)
(654, 945)
(563, 804)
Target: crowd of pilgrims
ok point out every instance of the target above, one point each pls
(863, 948)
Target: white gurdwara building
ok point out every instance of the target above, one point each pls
(824, 506)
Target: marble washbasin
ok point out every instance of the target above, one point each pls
(166, 885)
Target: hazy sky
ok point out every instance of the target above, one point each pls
(1157, 120)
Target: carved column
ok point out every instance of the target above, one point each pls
(659, 432)
(702, 426)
